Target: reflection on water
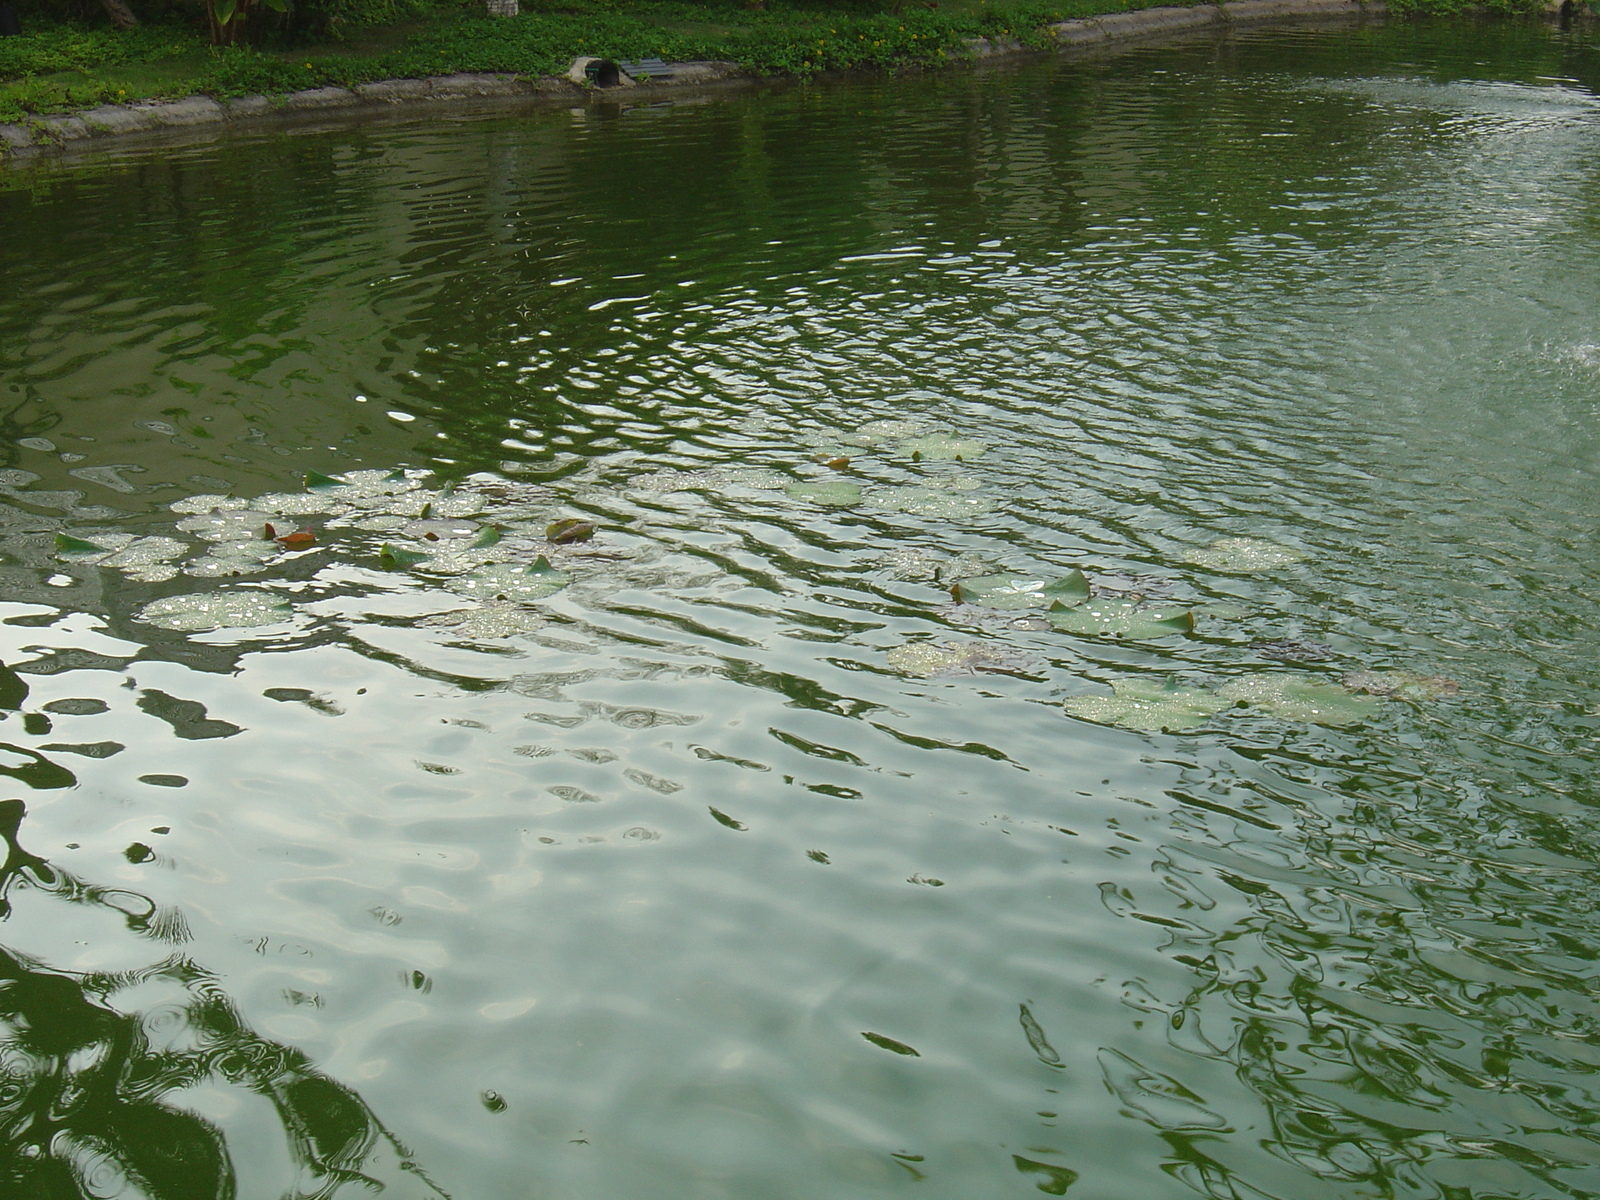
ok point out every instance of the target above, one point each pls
(1082, 682)
(104, 1071)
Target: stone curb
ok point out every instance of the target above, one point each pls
(112, 120)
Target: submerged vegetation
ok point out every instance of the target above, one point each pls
(60, 66)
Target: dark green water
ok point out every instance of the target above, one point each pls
(601, 906)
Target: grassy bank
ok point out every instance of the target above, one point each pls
(63, 67)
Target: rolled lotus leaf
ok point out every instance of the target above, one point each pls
(569, 531)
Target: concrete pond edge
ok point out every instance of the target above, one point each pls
(44, 133)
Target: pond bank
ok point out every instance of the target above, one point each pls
(47, 132)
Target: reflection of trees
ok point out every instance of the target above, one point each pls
(87, 1092)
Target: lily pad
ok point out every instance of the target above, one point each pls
(830, 493)
(320, 482)
(512, 581)
(1245, 554)
(1140, 705)
(393, 556)
(438, 529)
(1012, 592)
(492, 619)
(1120, 618)
(960, 658)
(71, 547)
(876, 433)
(200, 612)
(942, 447)
(1403, 685)
(1299, 698)
(931, 502)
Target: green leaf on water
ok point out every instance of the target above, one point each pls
(317, 481)
(830, 493)
(68, 546)
(942, 447)
(723, 818)
(487, 536)
(511, 581)
(1011, 592)
(1120, 618)
(1300, 698)
(1141, 705)
(569, 531)
(888, 1043)
(1069, 591)
(394, 556)
(395, 476)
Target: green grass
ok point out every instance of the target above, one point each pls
(62, 68)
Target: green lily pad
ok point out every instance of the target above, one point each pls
(1011, 592)
(1245, 554)
(1120, 618)
(830, 493)
(876, 433)
(942, 447)
(1299, 698)
(959, 658)
(1403, 685)
(68, 546)
(320, 482)
(393, 557)
(931, 501)
(487, 536)
(1140, 705)
(200, 612)
(512, 581)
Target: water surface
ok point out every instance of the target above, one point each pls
(603, 904)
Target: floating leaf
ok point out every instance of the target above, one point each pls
(492, 619)
(512, 581)
(1403, 685)
(320, 482)
(1011, 592)
(942, 447)
(569, 531)
(888, 1043)
(1140, 705)
(830, 493)
(1245, 554)
(1120, 618)
(834, 462)
(930, 659)
(68, 546)
(488, 536)
(202, 611)
(875, 433)
(298, 540)
(723, 818)
(926, 501)
(1299, 698)
(394, 556)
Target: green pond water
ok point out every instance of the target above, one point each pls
(725, 856)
